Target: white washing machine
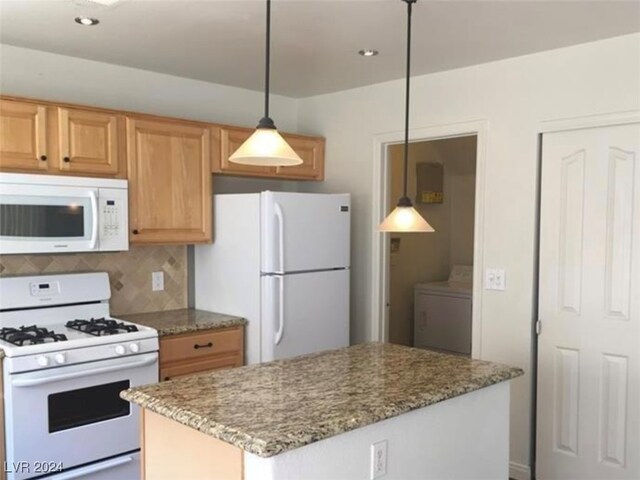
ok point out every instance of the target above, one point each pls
(442, 313)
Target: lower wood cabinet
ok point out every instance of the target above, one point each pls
(190, 353)
(228, 139)
(169, 171)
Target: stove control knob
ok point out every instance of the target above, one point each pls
(120, 350)
(60, 358)
(134, 347)
(42, 361)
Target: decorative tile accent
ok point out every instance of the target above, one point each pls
(129, 274)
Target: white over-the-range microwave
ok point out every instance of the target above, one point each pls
(50, 213)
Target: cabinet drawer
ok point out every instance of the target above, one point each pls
(200, 365)
(198, 345)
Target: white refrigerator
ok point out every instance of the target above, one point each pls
(280, 260)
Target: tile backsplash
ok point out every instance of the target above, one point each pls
(129, 274)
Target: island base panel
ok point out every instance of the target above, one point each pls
(461, 438)
(172, 451)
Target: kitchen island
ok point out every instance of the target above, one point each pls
(429, 415)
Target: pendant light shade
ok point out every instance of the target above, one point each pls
(405, 218)
(266, 147)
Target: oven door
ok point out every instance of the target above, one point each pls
(74, 415)
(45, 218)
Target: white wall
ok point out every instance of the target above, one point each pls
(513, 96)
(48, 76)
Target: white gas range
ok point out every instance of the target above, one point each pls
(66, 361)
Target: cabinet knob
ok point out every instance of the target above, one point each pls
(43, 158)
(206, 345)
(66, 159)
(134, 231)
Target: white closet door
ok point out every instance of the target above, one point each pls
(588, 412)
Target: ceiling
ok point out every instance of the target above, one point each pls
(315, 42)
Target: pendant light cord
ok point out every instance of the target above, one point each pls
(267, 67)
(406, 103)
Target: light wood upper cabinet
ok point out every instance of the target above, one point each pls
(23, 136)
(90, 142)
(169, 171)
(311, 151)
(228, 139)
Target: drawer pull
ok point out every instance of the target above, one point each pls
(207, 345)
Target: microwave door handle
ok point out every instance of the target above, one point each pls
(95, 468)
(94, 226)
(32, 382)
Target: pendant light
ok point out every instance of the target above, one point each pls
(405, 218)
(266, 147)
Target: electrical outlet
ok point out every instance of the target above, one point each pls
(378, 459)
(157, 281)
(495, 279)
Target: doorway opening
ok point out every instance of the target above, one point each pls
(430, 279)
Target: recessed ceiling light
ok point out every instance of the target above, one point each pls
(87, 21)
(368, 52)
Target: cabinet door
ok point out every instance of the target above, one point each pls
(89, 142)
(228, 139)
(169, 175)
(23, 136)
(311, 151)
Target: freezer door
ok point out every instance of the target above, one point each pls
(304, 231)
(304, 313)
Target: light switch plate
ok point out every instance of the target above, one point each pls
(495, 279)
(157, 281)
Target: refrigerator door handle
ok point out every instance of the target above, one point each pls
(280, 217)
(280, 330)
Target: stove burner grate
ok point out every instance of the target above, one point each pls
(32, 335)
(100, 326)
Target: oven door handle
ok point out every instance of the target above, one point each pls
(91, 469)
(32, 382)
(94, 225)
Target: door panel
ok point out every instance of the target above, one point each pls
(23, 136)
(90, 142)
(589, 346)
(169, 182)
(313, 315)
(305, 231)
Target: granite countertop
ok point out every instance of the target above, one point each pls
(185, 320)
(269, 408)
